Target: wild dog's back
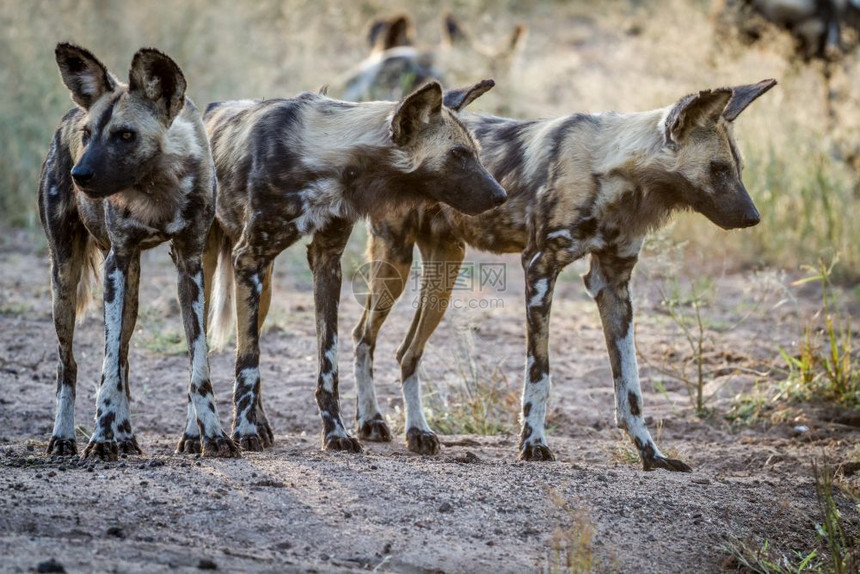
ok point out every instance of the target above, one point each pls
(529, 158)
(279, 161)
(290, 166)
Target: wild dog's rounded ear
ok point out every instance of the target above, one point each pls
(392, 32)
(157, 78)
(517, 39)
(83, 74)
(700, 109)
(452, 30)
(415, 110)
(459, 99)
(743, 96)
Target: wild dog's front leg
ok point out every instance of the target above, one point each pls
(112, 390)
(541, 272)
(324, 254)
(608, 282)
(215, 441)
(126, 441)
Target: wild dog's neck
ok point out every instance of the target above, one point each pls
(354, 145)
(633, 147)
(628, 142)
(335, 131)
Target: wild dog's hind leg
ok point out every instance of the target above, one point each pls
(608, 281)
(441, 259)
(263, 426)
(324, 255)
(215, 441)
(387, 274)
(541, 270)
(67, 260)
(249, 272)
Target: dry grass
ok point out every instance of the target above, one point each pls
(473, 397)
(571, 542)
(837, 553)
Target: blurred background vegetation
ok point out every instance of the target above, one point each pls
(799, 141)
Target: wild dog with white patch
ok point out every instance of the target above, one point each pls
(312, 165)
(128, 169)
(578, 185)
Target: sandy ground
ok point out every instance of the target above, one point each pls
(473, 508)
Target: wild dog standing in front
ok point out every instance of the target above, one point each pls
(313, 165)
(128, 169)
(577, 185)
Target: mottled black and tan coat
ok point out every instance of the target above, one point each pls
(312, 165)
(577, 185)
(128, 169)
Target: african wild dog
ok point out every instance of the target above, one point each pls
(395, 66)
(313, 165)
(128, 169)
(577, 185)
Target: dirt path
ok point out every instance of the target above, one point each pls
(473, 508)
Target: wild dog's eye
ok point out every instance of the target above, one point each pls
(460, 152)
(85, 134)
(721, 169)
(125, 135)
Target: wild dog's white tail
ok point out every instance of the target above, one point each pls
(222, 311)
(91, 264)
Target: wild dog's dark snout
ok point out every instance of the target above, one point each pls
(82, 174)
(752, 217)
(499, 195)
(499, 199)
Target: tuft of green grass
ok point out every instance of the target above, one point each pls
(825, 369)
(763, 404)
(764, 559)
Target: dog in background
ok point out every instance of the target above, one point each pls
(395, 66)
